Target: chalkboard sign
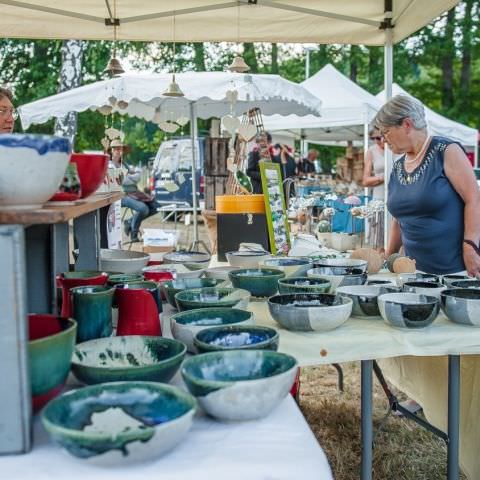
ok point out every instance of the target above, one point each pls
(275, 209)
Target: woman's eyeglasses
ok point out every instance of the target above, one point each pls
(5, 112)
(376, 138)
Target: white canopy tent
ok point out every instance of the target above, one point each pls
(440, 125)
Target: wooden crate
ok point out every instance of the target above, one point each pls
(214, 186)
(216, 154)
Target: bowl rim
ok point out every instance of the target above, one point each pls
(453, 293)
(424, 284)
(244, 293)
(134, 255)
(203, 310)
(172, 341)
(248, 253)
(343, 290)
(465, 280)
(237, 329)
(311, 273)
(104, 289)
(131, 433)
(232, 352)
(430, 299)
(304, 260)
(345, 301)
(71, 328)
(272, 273)
(289, 281)
(167, 283)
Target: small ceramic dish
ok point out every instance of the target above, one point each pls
(191, 260)
(123, 261)
(134, 357)
(260, 282)
(291, 266)
(234, 337)
(240, 384)
(246, 258)
(120, 422)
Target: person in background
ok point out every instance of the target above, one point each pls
(8, 114)
(373, 171)
(307, 165)
(263, 143)
(287, 161)
(141, 203)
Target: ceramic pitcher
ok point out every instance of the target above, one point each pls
(139, 308)
(68, 280)
(92, 309)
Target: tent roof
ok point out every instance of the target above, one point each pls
(440, 125)
(346, 107)
(318, 21)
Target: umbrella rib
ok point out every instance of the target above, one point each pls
(56, 11)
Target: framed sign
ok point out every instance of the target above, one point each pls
(275, 208)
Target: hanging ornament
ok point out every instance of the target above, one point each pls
(173, 89)
(112, 101)
(182, 121)
(238, 65)
(112, 133)
(122, 104)
(105, 143)
(230, 123)
(168, 127)
(105, 109)
(247, 131)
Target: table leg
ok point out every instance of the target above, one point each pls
(60, 257)
(87, 234)
(367, 423)
(453, 416)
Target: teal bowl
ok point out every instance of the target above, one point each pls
(303, 285)
(260, 282)
(212, 297)
(135, 357)
(239, 384)
(121, 422)
(233, 337)
(172, 287)
(185, 325)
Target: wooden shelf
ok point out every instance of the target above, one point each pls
(58, 213)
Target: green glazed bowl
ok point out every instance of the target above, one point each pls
(120, 422)
(119, 278)
(212, 297)
(260, 282)
(134, 357)
(240, 384)
(234, 337)
(303, 285)
(185, 325)
(172, 287)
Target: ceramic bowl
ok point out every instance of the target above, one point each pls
(235, 337)
(119, 278)
(351, 276)
(416, 277)
(462, 305)
(424, 288)
(448, 279)
(338, 265)
(123, 261)
(120, 422)
(246, 258)
(291, 266)
(310, 312)
(190, 260)
(303, 285)
(408, 310)
(472, 283)
(185, 325)
(50, 348)
(92, 168)
(212, 297)
(260, 282)
(178, 272)
(135, 357)
(31, 169)
(239, 384)
(365, 298)
(219, 273)
(172, 287)
(380, 283)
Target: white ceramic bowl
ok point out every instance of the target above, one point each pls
(122, 261)
(31, 169)
(291, 266)
(191, 260)
(246, 258)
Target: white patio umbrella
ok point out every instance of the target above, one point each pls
(206, 95)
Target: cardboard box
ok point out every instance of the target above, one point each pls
(157, 249)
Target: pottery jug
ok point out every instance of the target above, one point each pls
(139, 308)
(68, 280)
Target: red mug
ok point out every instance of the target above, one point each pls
(160, 275)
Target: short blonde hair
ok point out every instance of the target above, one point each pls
(6, 93)
(398, 109)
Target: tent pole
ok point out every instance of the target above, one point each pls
(388, 79)
(366, 222)
(193, 136)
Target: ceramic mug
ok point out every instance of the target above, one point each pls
(92, 309)
(139, 308)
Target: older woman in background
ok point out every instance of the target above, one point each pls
(8, 114)
(432, 193)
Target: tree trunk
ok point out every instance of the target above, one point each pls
(70, 77)
(199, 59)
(274, 67)
(447, 61)
(250, 56)
(354, 51)
(375, 69)
(466, 69)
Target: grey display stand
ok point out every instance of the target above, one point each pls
(34, 248)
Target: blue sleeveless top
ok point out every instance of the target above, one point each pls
(429, 212)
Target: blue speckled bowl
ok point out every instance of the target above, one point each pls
(135, 357)
(236, 338)
(291, 266)
(239, 384)
(185, 325)
(113, 423)
(260, 282)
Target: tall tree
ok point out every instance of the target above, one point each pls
(274, 57)
(354, 54)
(250, 56)
(466, 68)
(447, 59)
(199, 58)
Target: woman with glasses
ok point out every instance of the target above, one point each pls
(373, 177)
(432, 193)
(8, 114)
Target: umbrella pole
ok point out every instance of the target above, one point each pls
(195, 245)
